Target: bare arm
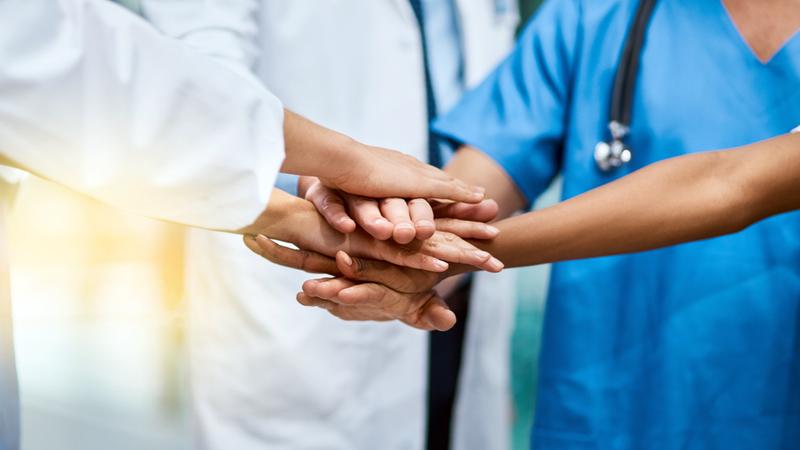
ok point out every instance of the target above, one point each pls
(683, 199)
(477, 168)
(678, 200)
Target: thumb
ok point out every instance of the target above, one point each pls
(438, 315)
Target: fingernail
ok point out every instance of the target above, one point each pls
(496, 264)
(405, 226)
(477, 196)
(347, 259)
(483, 255)
(494, 231)
(381, 221)
(425, 224)
(441, 265)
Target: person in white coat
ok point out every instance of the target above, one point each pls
(261, 376)
(93, 98)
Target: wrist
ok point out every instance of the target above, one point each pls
(342, 154)
(314, 150)
(284, 216)
(303, 184)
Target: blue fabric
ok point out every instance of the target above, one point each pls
(287, 183)
(691, 347)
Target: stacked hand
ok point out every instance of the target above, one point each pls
(386, 255)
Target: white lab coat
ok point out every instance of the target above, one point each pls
(95, 99)
(266, 372)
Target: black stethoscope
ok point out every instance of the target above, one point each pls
(612, 154)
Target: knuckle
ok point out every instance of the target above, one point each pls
(305, 258)
(360, 266)
(329, 202)
(382, 295)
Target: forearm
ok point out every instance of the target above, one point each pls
(477, 168)
(287, 218)
(314, 150)
(684, 199)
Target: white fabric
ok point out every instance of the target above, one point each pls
(446, 60)
(796, 130)
(93, 98)
(266, 372)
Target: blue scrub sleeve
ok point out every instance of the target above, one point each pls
(287, 183)
(518, 115)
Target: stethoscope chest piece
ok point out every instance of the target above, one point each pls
(611, 156)
(614, 154)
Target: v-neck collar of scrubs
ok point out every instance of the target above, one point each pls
(732, 28)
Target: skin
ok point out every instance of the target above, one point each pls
(342, 163)
(383, 219)
(698, 196)
(291, 219)
(765, 25)
(657, 206)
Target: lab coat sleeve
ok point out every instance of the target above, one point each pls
(518, 114)
(95, 99)
(225, 29)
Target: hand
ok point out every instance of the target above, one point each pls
(389, 218)
(385, 293)
(409, 298)
(381, 173)
(293, 220)
(345, 164)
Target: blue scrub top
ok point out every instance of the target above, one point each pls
(691, 347)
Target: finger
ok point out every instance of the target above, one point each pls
(327, 289)
(485, 211)
(449, 188)
(467, 229)
(295, 259)
(369, 294)
(306, 300)
(351, 313)
(412, 257)
(379, 301)
(368, 215)
(450, 247)
(398, 278)
(422, 215)
(330, 204)
(437, 315)
(396, 211)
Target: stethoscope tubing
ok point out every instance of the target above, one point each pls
(624, 87)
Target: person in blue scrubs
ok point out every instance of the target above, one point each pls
(690, 347)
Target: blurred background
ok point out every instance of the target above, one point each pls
(99, 324)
